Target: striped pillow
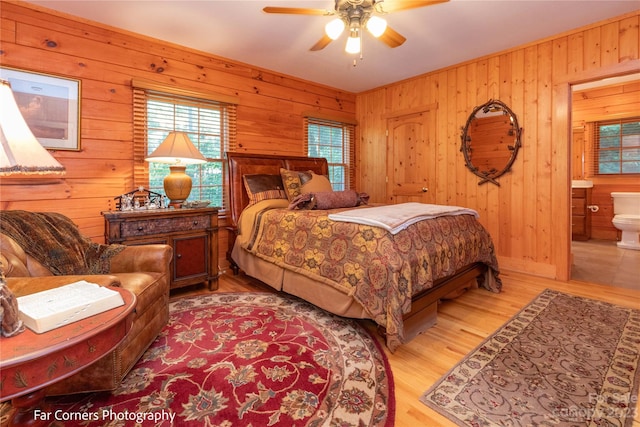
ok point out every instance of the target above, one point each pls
(263, 187)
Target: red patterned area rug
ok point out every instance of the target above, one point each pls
(249, 359)
(563, 361)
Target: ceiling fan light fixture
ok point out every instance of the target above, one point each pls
(376, 26)
(353, 44)
(334, 28)
(357, 14)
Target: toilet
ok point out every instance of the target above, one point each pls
(626, 211)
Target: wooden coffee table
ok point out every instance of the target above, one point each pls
(29, 362)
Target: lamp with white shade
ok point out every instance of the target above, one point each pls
(20, 154)
(178, 151)
(20, 151)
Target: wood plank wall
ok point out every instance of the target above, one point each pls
(528, 214)
(105, 60)
(590, 105)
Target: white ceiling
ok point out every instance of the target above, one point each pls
(438, 36)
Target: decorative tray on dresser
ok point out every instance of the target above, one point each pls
(192, 233)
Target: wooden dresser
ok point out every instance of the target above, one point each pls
(192, 233)
(580, 215)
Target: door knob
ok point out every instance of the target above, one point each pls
(424, 189)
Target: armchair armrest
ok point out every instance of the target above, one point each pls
(150, 258)
(26, 285)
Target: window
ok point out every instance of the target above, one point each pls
(210, 125)
(617, 147)
(334, 141)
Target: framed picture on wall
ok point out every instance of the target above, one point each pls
(49, 104)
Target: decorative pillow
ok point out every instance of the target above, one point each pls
(329, 200)
(263, 187)
(316, 184)
(297, 182)
(292, 183)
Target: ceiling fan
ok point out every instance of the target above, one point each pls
(356, 15)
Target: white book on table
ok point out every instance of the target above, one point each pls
(53, 308)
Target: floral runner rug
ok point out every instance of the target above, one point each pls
(247, 359)
(563, 360)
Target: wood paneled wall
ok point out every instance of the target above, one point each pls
(528, 215)
(105, 60)
(590, 105)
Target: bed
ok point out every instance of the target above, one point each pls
(353, 270)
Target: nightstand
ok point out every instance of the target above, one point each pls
(192, 233)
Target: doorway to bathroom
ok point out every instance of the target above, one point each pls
(594, 255)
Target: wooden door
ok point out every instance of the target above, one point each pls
(410, 167)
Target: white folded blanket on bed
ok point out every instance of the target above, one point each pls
(395, 218)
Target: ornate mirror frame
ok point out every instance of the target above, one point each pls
(491, 136)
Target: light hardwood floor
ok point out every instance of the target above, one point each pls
(462, 324)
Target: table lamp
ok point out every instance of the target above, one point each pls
(178, 151)
(20, 151)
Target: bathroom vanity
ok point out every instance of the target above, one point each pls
(580, 214)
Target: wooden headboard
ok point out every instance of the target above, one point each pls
(240, 164)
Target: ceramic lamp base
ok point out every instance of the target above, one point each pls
(177, 185)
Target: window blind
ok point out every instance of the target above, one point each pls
(615, 147)
(210, 124)
(335, 141)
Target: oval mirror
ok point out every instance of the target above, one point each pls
(490, 141)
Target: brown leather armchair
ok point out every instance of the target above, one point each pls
(143, 270)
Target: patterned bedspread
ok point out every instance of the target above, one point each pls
(380, 270)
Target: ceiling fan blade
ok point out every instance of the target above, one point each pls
(322, 43)
(392, 38)
(398, 5)
(297, 11)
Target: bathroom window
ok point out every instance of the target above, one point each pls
(617, 147)
(334, 141)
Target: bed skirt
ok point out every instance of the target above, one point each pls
(318, 294)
